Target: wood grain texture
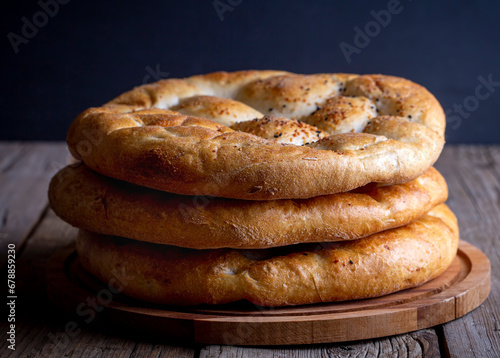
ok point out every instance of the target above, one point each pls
(423, 343)
(43, 330)
(25, 171)
(473, 176)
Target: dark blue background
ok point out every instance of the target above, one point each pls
(91, 51)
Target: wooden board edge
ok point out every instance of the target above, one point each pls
(445, 306)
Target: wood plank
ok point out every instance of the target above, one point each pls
(423, 343)
(25, 172)
(473, 176)
(43, 330)
(11, 151)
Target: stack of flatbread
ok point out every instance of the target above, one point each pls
(267, 186)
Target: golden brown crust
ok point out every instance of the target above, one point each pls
(341, 114)
(207, 159)
(222, 110)
(383, 263)
(281, 130)
(96, 203)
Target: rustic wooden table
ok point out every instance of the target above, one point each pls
(43, 330)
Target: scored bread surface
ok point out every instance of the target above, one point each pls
(322, 134)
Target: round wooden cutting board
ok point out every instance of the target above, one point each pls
(459, 290)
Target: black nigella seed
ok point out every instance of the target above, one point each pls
(350, 261)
